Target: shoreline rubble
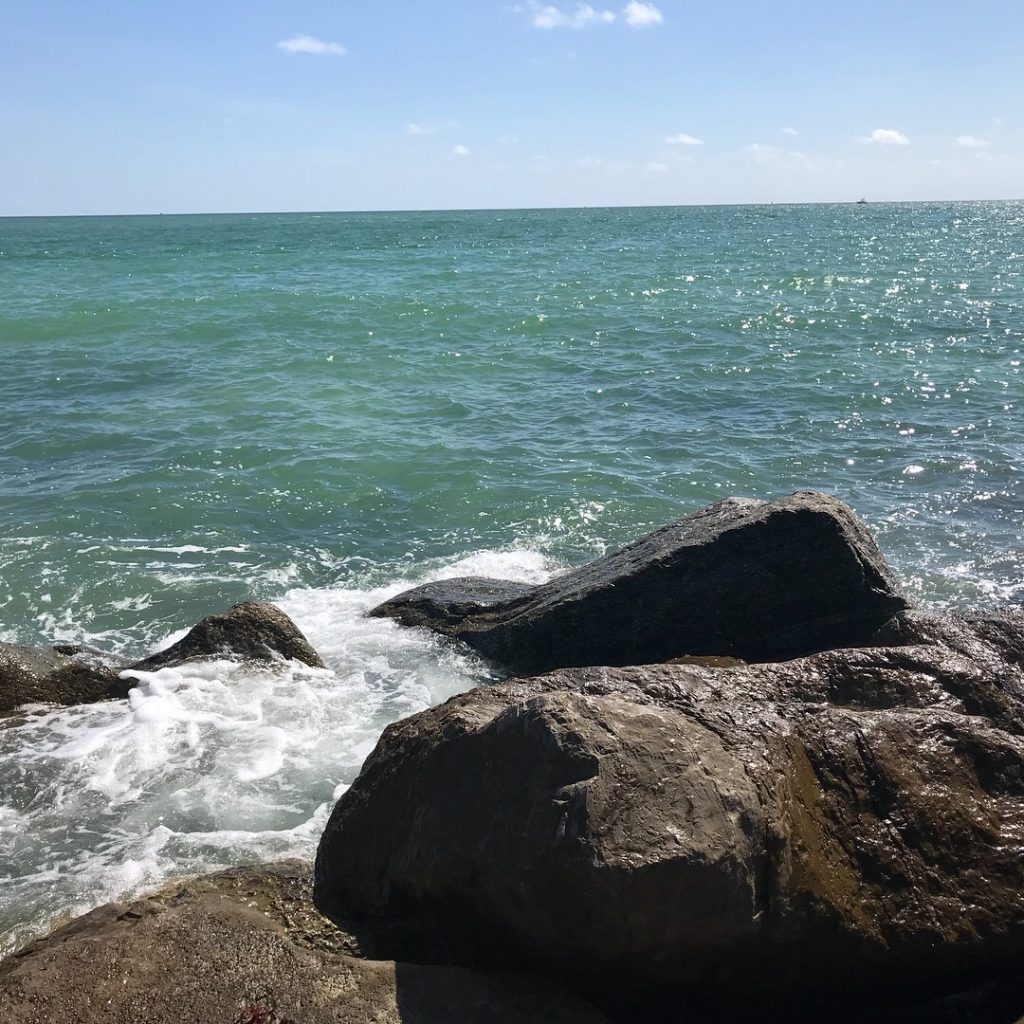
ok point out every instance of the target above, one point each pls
(737, 770)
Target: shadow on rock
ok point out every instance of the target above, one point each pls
(247, 947)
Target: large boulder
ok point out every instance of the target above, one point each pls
(249, 631)
(41, 675)
(742, 578)
(246, 947)
(779, 835)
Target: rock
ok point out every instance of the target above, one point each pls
(840, 827)
(250, 631)
(245, 947)
(450, 601)
(744, 579)
(38, 675)
(73, 674)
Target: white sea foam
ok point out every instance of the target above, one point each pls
(213, 764)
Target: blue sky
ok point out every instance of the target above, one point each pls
(116, 107)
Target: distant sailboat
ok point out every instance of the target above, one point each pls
(862, 201)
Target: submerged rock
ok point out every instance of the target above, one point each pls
(745, 579)
(840, 827)
(246, 947)
(250, 631)
(40, 675)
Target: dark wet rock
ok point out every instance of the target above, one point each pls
(837, 828)
(88, 655)
(983, 660)
(245, 947)
(40, 675)
(250, 631)
(76, 674)
(988, 638)
(745, 579)
(450, 601)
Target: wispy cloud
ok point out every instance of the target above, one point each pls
(420, 129)
(640, 15)
(971, 142)
(460, 150)
(790, 131)
(310, 44)
(636, 14)
(788, 159)
(886, 137)
(583, 16)
(764, 154)
(682, 139)
(657, 166)
(613, 168)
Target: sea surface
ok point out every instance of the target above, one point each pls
(322, 409)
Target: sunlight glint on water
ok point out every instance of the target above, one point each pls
(320, 410)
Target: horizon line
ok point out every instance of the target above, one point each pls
(500, 209)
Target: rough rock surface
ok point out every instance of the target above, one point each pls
(251, 630)
(39, 675)
(246, 947)
(742, 578)
(759, 832)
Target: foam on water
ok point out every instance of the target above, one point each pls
(217, 763)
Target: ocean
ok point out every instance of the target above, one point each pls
(323, 409)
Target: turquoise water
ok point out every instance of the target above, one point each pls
(319, 409)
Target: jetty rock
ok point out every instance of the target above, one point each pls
(759, 581)
(61, 675)
(816, 833)
(247, 947)
(248, 631)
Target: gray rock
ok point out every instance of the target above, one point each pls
(840, 827)
(246, 947)
(40, 675)
(450, 601)
(249, 631)
(742, 579)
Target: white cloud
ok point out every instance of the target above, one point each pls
(971, 141)
(789, 159)
(636, 14)
(790, 131)
(309, 44)
(640, 15)
(886, 137)
(420, 129)
(657, 166)
(996, 122)
(583, 16)
(460, 150)
(682, 139)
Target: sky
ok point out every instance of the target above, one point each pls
(143, 107)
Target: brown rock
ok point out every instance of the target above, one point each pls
(741, 579)
(246, 948)
(39, 675)
(771, 833)
(249, 631)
